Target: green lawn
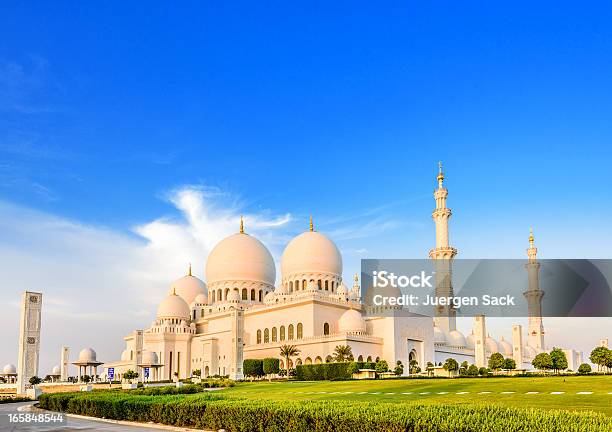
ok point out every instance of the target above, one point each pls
(392, 391)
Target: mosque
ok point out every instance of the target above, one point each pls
(240, 313)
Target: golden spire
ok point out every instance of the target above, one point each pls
(531, 237)
(241, 225)
(440, 174)
(173, 290)
(311, 224)
(189, 271)
(356, 278)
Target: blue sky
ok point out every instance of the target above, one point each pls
(109, 113)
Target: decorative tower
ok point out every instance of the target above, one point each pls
(517, 345)
(534, 296)
(65, 363)
(29, 339)
(443, 254)
(480, 339)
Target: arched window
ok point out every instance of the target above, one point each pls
(290, 332)
(326, 328)
(245, 294)
(291, 286)
(300, 331)
(213, 295)
(266, 336)
(328, 359)
(318, 360)
(260, 294)
(319, 284)
(304, 284)
(282, 333)
(253, 294)
(333, 285)
(369, 360)
(377, 359)
(131, 355)
(258, 336)
(274, 334)
(201, 312)
(326, 286)
(360, 358)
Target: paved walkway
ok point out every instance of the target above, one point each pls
(72, 424)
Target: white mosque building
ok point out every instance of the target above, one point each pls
(240, 313)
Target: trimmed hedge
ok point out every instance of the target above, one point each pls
(207, 411)
(328, 371)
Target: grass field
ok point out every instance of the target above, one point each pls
(504, 391)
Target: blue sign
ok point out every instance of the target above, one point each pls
(111, 373)
(146, 372)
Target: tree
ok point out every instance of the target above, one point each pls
(584, 368)
(271, 366)
(509, 363)
(472, 370)
(558, 359)
(197, 373)
(352, 368)
(542, 361)
(381, 366)
(450, 365)
(496, 361)
(35, 380)
(130, 375)
(483, 371)
(399, 367)
(464, 365)
(598, 356)
(288, 351)
(253, 368)
(343, 353)
(429, 368)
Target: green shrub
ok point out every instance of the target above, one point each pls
(214, 412)
(584, 368)
(271, 366)
(324, 371)
(253, 368)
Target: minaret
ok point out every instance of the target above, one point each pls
(534, 295)
(443, 253)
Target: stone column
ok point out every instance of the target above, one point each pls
(480, 337)
(517, 345)
(29, 339)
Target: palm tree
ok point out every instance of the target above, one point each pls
(288, 351)
(343, 353)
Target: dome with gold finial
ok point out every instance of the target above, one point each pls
(311, 252)
(173, 306)
(188, 287)
(240, 257)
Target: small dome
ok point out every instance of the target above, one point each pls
(149, 357)
(9, 369)
(342, 290)
(311, 252)
(506, 347)
(491, 345)
(173, 306)
(56, 370)
(352, 321)
(188, 287)
(125, 355)
(470, 340)
(439, 336)
(240, 257)
(456, 339)
(233, 296)
(87, 355)
(201, 299)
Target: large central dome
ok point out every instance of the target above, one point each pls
(240, 257)
(311, 252)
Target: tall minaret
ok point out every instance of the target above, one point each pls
(535, 337)
(445, 316)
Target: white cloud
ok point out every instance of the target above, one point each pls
(98, 284)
